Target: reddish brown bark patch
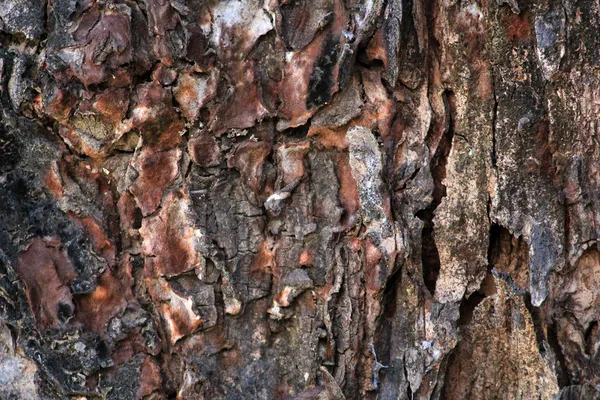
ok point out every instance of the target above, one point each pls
(264, 261)
(157, 172)
(193, 92)
(112, 103)
(204, 150)
(46, 272)
(101, 244)
(169, 238)
(150, 378)
(164, 75)
(59, 104)
(249, 158)
(105, 44)
(290, 158)
(519, 27)
(94, 310)
(153, 111)
(53, 182)
(348, 191)
(176, 309)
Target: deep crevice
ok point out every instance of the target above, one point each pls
(452, 358)
(538, 323)
(590, 334)
(409, 393)
(546, 336)
(430, 257)
(562, 374)
(382, 345)
(487, 287)
(468, 306)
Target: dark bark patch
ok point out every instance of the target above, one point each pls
(322, 81)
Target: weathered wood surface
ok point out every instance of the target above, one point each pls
(327, 199)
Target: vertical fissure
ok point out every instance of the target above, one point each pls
(590, 334)
(487, 287)
(430, 257)
(494, 155)
(538, 324)
(562, 374)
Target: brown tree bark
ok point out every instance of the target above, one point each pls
(326, 199)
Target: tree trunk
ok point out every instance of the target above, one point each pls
(324, 199)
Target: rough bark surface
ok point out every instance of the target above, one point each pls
(326, 199)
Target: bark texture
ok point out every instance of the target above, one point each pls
(299, 199)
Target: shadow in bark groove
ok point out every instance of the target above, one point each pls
(487, 287)
(429, 253)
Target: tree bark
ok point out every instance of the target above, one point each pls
(326, 199)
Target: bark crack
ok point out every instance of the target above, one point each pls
(429, 253)
(494, 156)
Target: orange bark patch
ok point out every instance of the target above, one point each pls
(295, 85)
(379, 110)
(59, 105)
(101, 244)
(112, 103)
(330, 138)
(96, 309)
(264, 261)
(175, 309)
(306, 258)
(53, 182)
(376, 49)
